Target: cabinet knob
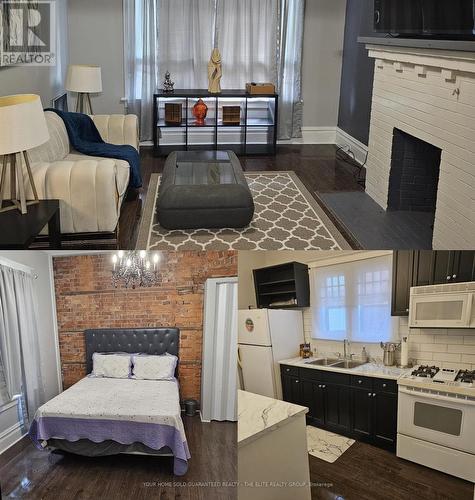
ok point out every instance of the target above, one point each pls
(448, 278)
(369, 394)
(360, 381)
(407, 310)
(374, 394)
(384, 385)
(324, 386)
(287, 369)
(454, 276)
(297, 381)
(320, 386)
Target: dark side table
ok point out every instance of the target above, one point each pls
(18, 232)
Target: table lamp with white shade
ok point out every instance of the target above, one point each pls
(84, 80)
(22, 127)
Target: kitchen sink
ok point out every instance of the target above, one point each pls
(348, 364)
(323, 362)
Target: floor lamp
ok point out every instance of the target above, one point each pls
(23, 127)
(85, 80)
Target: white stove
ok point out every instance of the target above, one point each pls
(436, 419)
(433, 377)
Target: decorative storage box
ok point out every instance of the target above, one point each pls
(231, 115)
(260, 88)
(173, 114)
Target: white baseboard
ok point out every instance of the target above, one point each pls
(10, 436)
(346, 141)
(315, 135)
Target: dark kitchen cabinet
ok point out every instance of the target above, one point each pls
(422, 268)
(384, 420)
(337, 408)
(291, 389)
(403, 272)
(363, 408)
(285, 284)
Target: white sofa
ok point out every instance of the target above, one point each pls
(91, 190)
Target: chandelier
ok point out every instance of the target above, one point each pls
(135, 269)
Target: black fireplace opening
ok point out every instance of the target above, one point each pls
(414, 177)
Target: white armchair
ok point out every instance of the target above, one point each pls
(91, 190)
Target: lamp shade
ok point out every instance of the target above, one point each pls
(22, 123)
(83, 78)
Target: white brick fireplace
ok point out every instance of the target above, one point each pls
(430, 95)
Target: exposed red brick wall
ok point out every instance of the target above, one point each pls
(85, 298)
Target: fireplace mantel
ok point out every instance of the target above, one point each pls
(420, 43)
(429, 94)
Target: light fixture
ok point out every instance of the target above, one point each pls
(135, 269)
(85, 80)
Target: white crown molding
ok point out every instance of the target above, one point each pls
(346, 141)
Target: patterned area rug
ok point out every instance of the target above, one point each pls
(326, 445)
(287, 217)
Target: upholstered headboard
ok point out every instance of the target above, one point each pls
(134, 340)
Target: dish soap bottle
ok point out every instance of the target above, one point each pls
(364, 355)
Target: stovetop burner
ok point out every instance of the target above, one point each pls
(426, 371)
(466, 376)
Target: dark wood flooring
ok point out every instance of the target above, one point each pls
(36, 474)
(318, 166)
(368, 473)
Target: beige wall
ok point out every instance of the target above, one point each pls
(48, 82)
(96, 37)
(322, 61)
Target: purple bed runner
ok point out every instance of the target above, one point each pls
(155, 436)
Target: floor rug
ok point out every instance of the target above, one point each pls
(287, 217)
(326, 445)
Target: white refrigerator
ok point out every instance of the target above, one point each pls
(266, 336)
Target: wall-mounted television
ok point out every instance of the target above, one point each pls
(436, 19)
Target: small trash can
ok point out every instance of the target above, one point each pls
(191, 407)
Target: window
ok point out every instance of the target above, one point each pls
(353, 301)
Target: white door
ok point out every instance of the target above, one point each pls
(257, 364)
(254, 327)
(219, 381)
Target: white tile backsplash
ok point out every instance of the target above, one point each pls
(447, 348)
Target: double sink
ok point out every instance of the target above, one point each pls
(336, 363)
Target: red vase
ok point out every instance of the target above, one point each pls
(200, 110)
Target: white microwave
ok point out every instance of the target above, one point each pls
(443, 306)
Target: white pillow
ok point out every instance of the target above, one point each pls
(111, 365)
(154, 367)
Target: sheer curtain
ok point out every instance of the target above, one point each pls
(19, 344)
(247, 35)
(141, 60)
(353, 301)
(292, 13)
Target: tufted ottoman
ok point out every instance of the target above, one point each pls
(204, 190)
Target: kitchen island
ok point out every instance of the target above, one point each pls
(272, 449)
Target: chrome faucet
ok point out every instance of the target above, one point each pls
(346, 348)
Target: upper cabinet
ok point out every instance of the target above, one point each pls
(421, 268)
(283, 286)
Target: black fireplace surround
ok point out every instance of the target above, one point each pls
(414, 178)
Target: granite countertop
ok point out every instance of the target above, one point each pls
(258, 415)
(367, 370)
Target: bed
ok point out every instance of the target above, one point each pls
(108, 416)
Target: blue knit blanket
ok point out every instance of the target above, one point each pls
(86, 139)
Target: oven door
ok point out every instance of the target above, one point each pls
(437, 418)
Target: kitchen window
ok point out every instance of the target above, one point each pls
(352, 301)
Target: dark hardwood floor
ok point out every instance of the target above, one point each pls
(318, 166)
(36, 474)
(368, 473)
